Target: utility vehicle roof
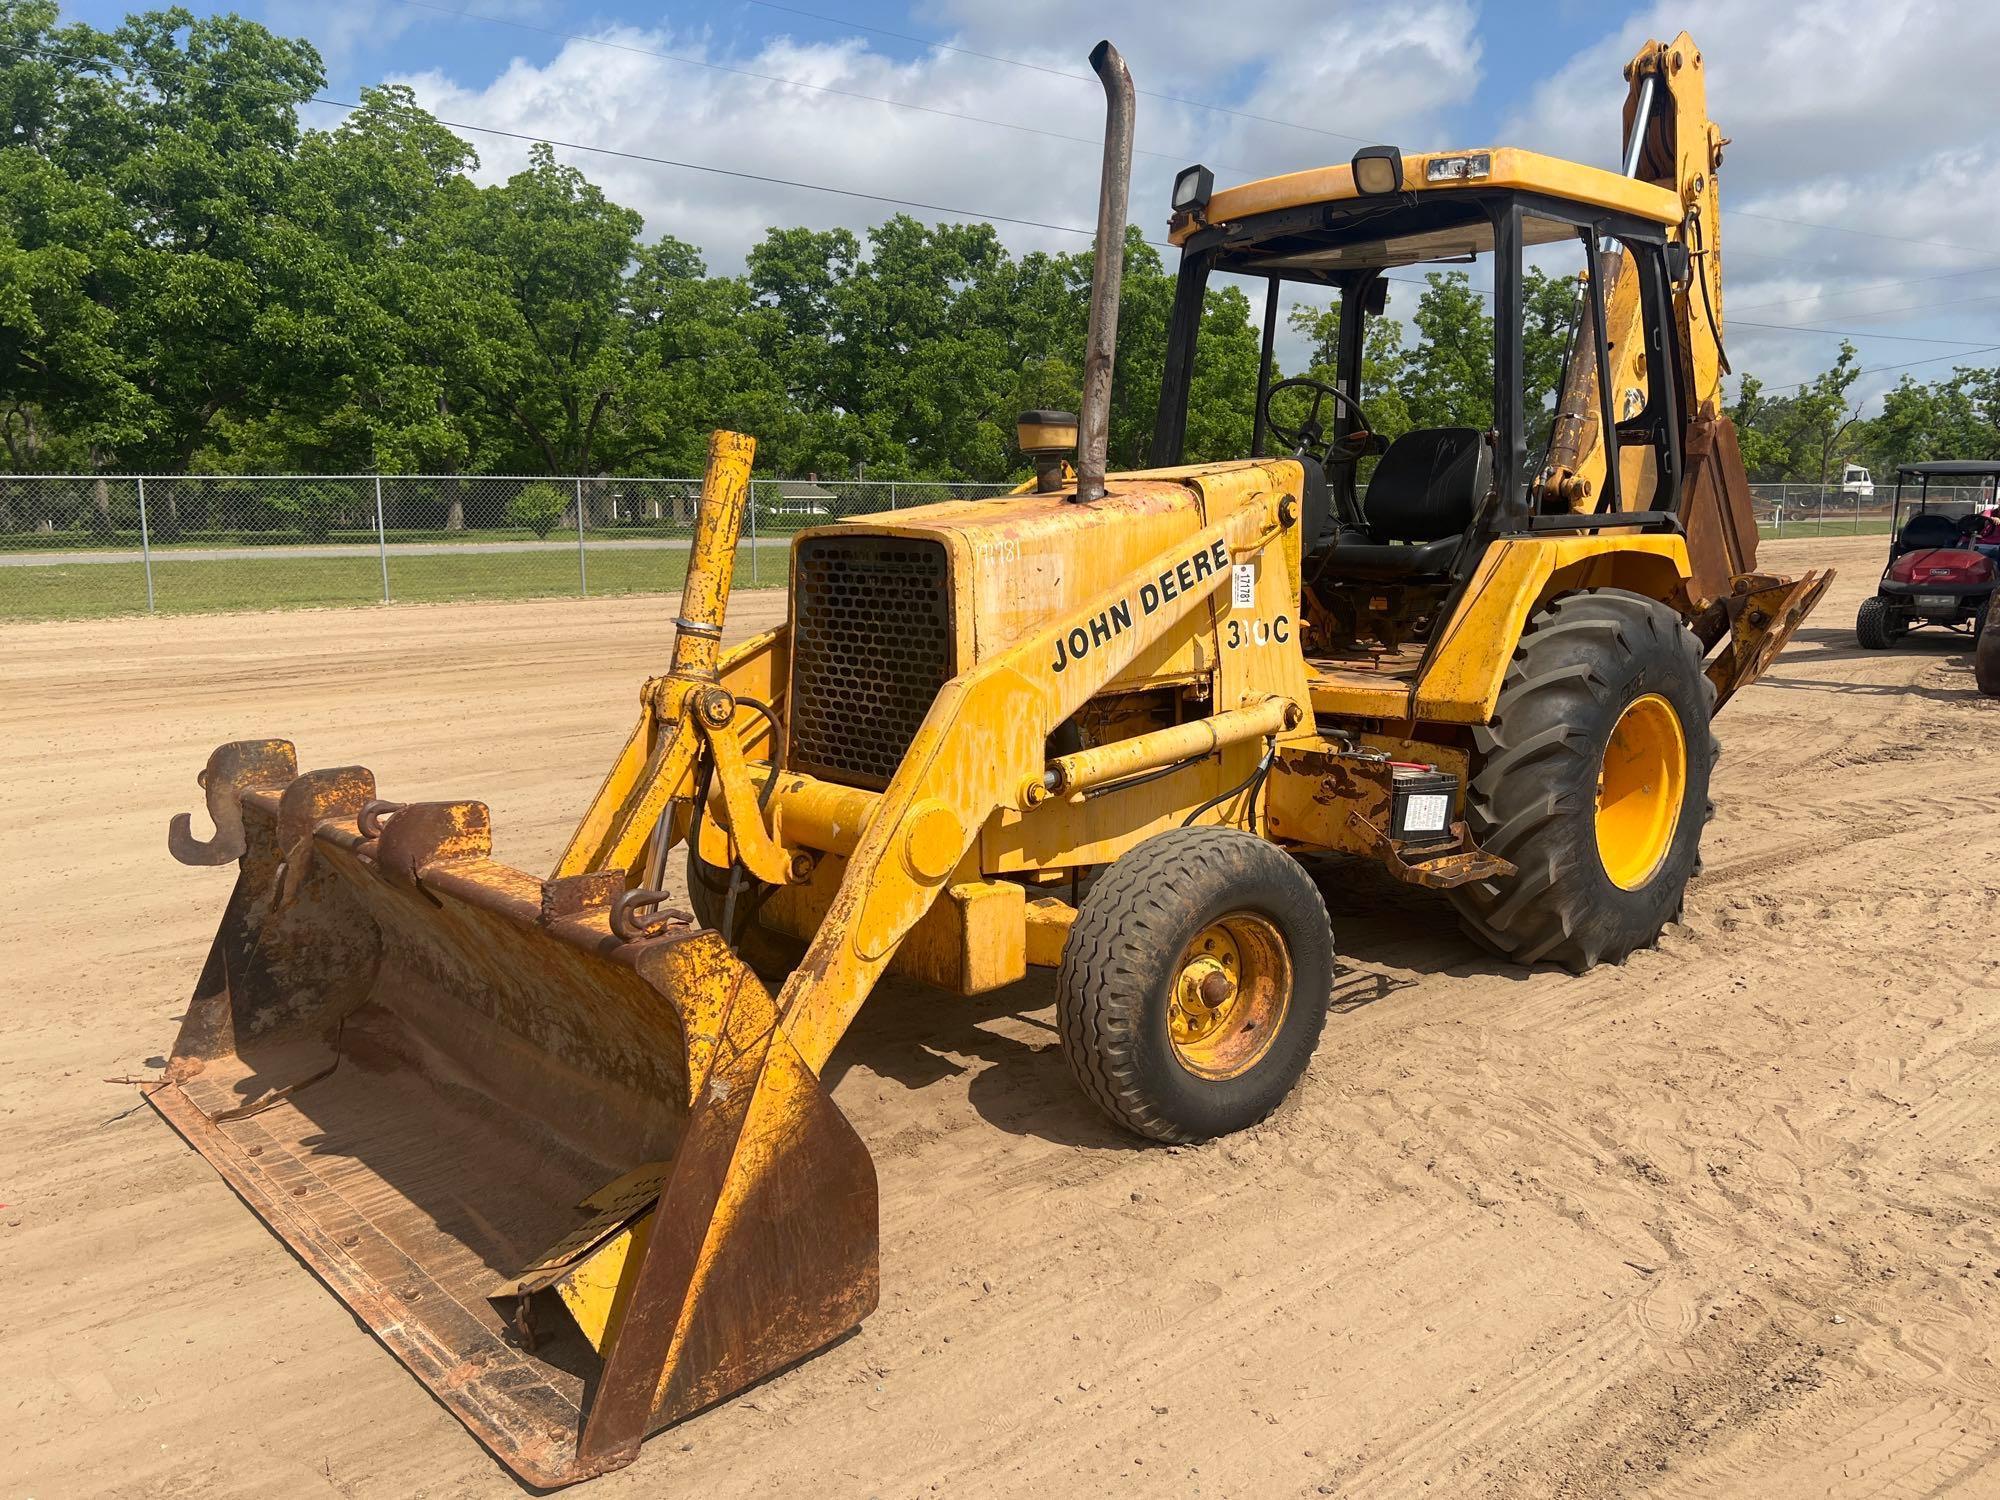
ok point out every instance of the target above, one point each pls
(1953, 466)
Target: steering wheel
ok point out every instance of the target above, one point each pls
(1309, 436)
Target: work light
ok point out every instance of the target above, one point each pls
(1377, 170)
(1192, 188)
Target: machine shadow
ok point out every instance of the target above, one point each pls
(1004, 1045)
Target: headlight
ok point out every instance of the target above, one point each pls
(1378, 170)
(1192, 189)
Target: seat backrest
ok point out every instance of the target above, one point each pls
(1428, 485)
(1927, 529)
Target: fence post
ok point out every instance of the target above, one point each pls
(753, 534)
(582, 574)
(145, 544)
(381, 539)
(1820, 529)
(892, 494)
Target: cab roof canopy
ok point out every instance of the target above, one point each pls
(1505, 167)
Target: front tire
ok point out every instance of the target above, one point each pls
(1194, 983)
(1875, 627)
(1593, 780)
(770, 954)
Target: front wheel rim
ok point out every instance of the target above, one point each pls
(1641, 785)
(1229, 996)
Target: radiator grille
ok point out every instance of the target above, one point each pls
(871, 646)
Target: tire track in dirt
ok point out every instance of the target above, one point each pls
(1719, 1221)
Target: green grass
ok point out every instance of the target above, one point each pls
(85, 591)
(126, 538)
(1809, 525)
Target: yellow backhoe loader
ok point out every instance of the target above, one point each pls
(566, 1152)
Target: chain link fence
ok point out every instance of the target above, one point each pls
(1834, 510)
(77, 546)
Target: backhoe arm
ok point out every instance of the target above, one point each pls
(1670, 142)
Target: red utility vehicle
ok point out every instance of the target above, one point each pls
(1944, 554)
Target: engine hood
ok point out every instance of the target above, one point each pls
(1019, 559)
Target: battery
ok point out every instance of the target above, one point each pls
(1423, 799)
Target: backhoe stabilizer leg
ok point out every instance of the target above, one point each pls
(1763, 613)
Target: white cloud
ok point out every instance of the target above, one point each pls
(622, 97)
(1872, 116)
(1869, 116)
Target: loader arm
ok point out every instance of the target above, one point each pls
(979, 748)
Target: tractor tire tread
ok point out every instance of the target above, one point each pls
(1537, 763)
(1134, 913)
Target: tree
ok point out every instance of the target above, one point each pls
(1448, 381)
(142, 296)
(1549, 319)
(544, 259)
(1384, 366)
(1755, 417)
(538, 508)
(1822, 411)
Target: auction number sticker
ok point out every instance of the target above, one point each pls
(1243, 586)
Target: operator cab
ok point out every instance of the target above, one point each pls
(1406, 486)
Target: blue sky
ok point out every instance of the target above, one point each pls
(1857, 191)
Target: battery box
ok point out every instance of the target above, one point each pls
(1422, 807)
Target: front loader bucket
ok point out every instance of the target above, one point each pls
(578, 1184)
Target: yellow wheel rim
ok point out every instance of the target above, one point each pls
(1230, 993)
(1639, 790)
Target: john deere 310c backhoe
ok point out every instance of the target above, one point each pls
(568, 1155)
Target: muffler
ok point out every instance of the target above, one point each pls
(1107, 272)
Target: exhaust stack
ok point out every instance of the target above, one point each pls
(1101, 337)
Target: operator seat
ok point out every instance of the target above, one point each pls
(1928, 529)
(1420, 503)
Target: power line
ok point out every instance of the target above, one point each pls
(1851, 333)
(1872, 234)
(1917, 307)
(1873, 286)
(695, 166)
(796, 83)
(1908, 364)
(816, 187)
(132, 65)
(1015, 62)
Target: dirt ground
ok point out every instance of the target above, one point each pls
(1721, 1221)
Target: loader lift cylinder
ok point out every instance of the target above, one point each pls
(718, 524)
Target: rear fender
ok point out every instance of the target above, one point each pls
(1516, 577)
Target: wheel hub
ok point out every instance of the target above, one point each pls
(1229, 994)
(1640, 787)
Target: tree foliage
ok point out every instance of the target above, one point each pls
(189, 278)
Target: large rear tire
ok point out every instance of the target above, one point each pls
(1593, 779)
(1986, 653)
(1194, 983)
(1875, 627)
